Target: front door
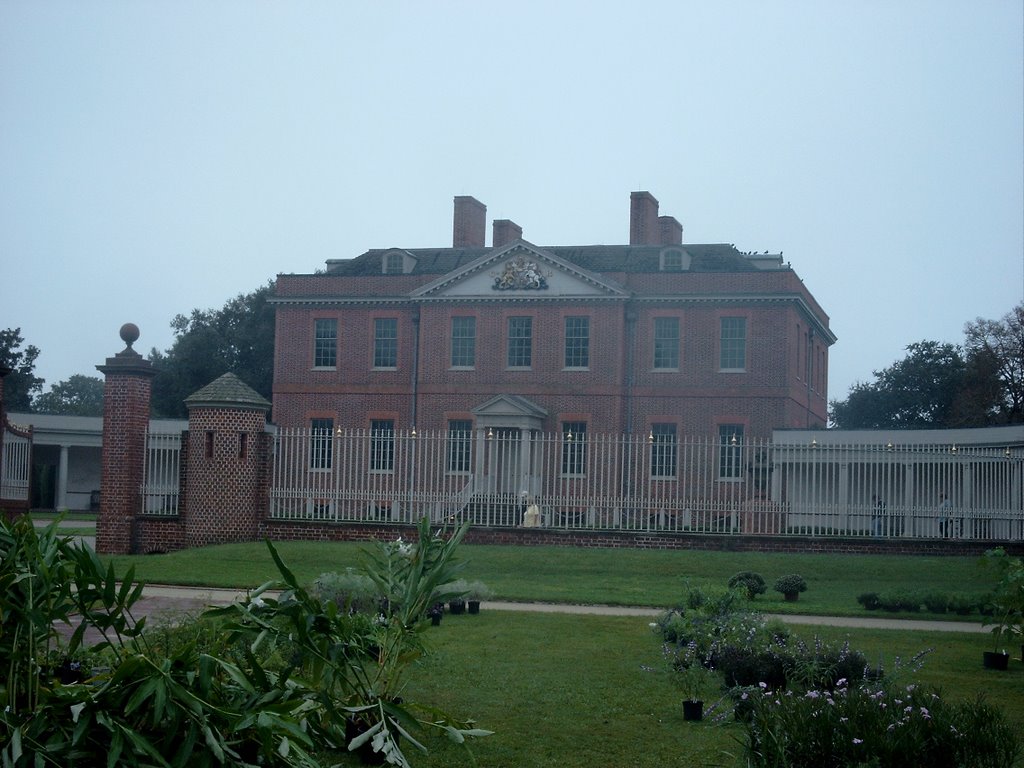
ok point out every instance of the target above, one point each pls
(504, 465)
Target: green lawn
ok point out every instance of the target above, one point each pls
(572, 691)
(611, 576)
(567, 690)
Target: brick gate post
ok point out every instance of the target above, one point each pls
(127, 388)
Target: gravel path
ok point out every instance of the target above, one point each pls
(172, 600)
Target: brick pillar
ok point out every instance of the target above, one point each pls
(4, 370)
(228, 463)
(126, 393)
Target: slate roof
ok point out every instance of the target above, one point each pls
(596, 258)
(228, 391)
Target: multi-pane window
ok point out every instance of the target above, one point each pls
(666, 342)
(382, 445)
(574, 447)
(463, 342)
(325, 343)
(672, 261)
(321, 443)
(520, 342)
(663, 450)
(385, 342)
(577, 342)
(733, 344)
(394, 264)
(730, 451)
(460, 442)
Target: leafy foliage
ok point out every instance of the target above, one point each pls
(944, 385)
(281, 678)
(792, 583)
(750, 582)
(77, 396)
(875, 724)
(21, 383)
(916, 392)
(996, 350)
(238, 338)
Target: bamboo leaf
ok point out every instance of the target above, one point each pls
(213, 743)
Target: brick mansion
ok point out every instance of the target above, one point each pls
(656, 337)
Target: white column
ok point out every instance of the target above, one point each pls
(61, 502)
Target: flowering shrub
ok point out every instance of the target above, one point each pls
(874, 725)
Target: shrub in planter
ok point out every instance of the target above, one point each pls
(750, 582)
(791, 585)
(1007, 603)
(475, 592)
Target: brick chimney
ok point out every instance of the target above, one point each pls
(671, 230)
(470, 224)
(643, 219)
(505, 232)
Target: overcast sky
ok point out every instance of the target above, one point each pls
(159, 157)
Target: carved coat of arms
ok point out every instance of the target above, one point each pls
(520, 273)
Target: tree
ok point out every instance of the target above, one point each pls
(918, 392)
(238, 338)
(996, 347)
(21, 383)
(78, 396)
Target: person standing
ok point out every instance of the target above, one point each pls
(945, 516)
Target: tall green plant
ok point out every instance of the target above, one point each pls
(353, 665)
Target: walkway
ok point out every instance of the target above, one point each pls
(168, 600)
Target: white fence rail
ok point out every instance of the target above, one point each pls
(494, 478)
(160, 488)
(16, 467)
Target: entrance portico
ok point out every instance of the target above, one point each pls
(506, 463)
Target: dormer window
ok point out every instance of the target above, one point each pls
(674, 260)
(394, 264)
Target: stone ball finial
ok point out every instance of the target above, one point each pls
(129, 334)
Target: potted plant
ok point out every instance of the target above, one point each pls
(696, 682)
(750, 582)
(1007, 607)
(475, 592)
(695, 678)
(457, 601)
(791, 586)
(436, 613)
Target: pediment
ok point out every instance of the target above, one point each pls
(509, 406)
(520, 270)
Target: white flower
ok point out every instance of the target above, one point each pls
(257, 602)
(858, 741)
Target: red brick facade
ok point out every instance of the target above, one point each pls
(622, 291)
